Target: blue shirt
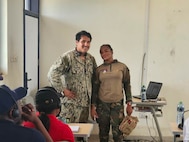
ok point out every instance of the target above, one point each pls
(10, 132)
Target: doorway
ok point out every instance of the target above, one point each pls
(31, 49)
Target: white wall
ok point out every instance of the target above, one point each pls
(167, 58)
(108, 22)
(13, 42)
(3, 37)
(124, 25)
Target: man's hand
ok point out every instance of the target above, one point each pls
(29, 113)
(69, 94)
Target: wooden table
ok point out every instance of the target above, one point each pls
(175, 130)
(85, 130)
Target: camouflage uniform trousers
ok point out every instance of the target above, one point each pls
(110, 114)
(71, 113)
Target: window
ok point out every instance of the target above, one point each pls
(32, 6)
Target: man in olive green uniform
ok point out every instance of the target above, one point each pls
(72, 75)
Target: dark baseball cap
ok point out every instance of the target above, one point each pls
(9, 97)
(47, 99)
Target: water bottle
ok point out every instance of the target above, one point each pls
(143, 93)
(180, 111)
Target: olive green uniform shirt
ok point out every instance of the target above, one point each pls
(112, 82)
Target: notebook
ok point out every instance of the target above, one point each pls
(74, 128)
(152, 91)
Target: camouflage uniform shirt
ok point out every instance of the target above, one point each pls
(75, 74)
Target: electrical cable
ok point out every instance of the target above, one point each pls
(150, 131)
(155, 130)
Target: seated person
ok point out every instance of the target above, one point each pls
(186, 130)
(47, 102)
(11, 115)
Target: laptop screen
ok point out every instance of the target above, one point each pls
(153, 90)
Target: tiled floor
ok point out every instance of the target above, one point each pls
(134, 137)
(94, 138)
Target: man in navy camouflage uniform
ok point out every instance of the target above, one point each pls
(72, 75)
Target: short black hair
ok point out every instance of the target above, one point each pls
(83, 33)
(107, 45)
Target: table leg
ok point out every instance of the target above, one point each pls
(157, 124)
(81, 139)
(174, 138)
(86, 139)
